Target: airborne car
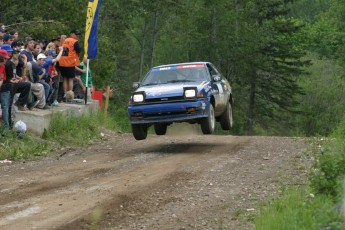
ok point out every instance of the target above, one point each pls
(187, 92)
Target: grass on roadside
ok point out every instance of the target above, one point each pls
(14, 147)
(63, 131)
(298, 209)
(77, 131)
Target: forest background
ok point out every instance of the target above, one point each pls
(284, 58)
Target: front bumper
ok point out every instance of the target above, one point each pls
(168, 112)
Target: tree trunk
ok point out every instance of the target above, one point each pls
(154, 38)
(212, 34)
(251, 105)
(142, 50)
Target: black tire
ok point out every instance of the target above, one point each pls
(139, 131)
(208, 124)
(226, 120)
(160, 129)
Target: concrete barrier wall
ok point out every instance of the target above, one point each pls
(37, 120)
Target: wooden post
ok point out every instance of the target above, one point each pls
(107, 95)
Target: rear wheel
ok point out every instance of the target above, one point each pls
(226, 118)
(160, 129)
(208, 124)
(139, 131)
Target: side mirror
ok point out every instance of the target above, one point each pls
(136, 85)
(216, 78)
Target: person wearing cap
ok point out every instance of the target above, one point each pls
(29, 46)
(17, 45)
(35, 74)
(8, 48)
(69, 59)
(8, 39)
(12, 84)
(41, 60)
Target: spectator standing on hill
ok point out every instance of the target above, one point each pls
(57, 41)
(52, 75)
(1, 40)
(69, 59)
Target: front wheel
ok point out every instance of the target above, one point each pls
(160, 129)
(226, 118)
(139, 131)
(208, 123)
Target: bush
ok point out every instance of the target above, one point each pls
(329, 170)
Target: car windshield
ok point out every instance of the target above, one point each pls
(174, 74)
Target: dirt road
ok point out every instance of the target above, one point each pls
(165, 182)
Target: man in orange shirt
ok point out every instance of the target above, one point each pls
(69, 59)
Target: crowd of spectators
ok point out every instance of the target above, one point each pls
(39, 73)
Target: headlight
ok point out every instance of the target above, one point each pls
(189, 93)
(138, 98)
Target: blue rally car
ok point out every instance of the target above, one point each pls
(187, 92)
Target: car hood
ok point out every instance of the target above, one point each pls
(168, 90)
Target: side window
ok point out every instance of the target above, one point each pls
(212, 70)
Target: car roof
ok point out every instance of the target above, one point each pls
(185, 63)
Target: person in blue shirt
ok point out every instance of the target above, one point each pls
(50, 77)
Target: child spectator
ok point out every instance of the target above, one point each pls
(52, 75)
(81, 77)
